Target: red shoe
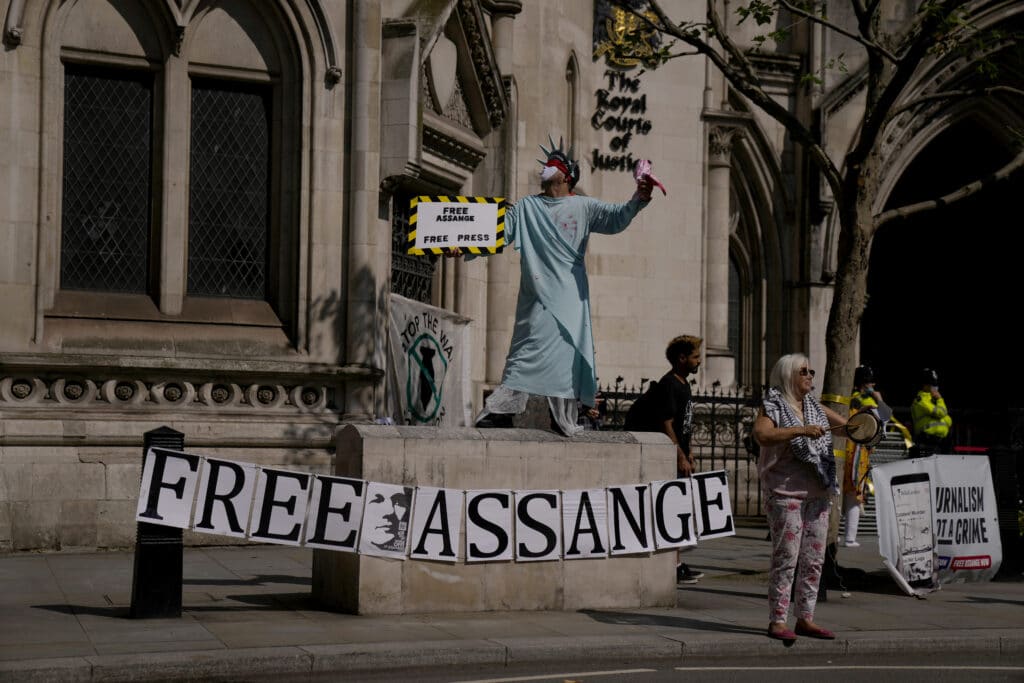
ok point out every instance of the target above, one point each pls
(815, 632)
(784, 635)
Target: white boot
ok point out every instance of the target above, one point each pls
(852, 521)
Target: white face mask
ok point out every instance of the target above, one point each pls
(548, 172)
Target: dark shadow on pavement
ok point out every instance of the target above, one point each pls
(258, 601)
(991, 601)
(761, 595)
(259, 580)
(263, 602)
(860, 581)
(633, 619)
(729, 570)
(79, 610)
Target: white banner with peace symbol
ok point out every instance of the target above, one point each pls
(429, 368)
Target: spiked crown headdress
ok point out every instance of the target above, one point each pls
(562, 160)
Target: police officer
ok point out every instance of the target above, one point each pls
(930, 416)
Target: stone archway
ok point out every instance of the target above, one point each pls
(942, 286)
(942, 283)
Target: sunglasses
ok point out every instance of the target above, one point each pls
(806, 371)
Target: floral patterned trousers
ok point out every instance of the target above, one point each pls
(799, 529)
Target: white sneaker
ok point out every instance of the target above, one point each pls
(851, 544)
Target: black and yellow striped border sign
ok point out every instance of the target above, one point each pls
(436, 224)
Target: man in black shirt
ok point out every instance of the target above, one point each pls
(667, 407)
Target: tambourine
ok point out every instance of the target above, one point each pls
(864, 429)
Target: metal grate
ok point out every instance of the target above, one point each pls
(411, 276)
(229, 193)
(723, 421)
(105, 210)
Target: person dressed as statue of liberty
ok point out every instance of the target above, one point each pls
(552, 348)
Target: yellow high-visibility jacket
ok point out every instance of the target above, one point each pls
(930, 417)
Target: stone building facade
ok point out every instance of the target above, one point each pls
(203, 203)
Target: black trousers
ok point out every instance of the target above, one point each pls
(925, 445)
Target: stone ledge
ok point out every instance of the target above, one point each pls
(503, 459)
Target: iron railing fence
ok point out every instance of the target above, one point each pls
(721, 439)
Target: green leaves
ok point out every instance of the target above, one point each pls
(763, 12)
(758, 10)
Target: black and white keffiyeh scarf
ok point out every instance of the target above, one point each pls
(815, 452)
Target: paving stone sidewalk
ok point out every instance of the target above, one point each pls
(247, 611)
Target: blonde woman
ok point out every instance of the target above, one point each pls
(797, 469)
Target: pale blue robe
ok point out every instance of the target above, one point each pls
(552, 349)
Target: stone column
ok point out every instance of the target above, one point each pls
(501, 280)
(365, 321)
(719, 362)
(503, 13)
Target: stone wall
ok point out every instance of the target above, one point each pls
(73, 484)
(507, 459)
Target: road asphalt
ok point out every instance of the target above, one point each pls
(247, 613)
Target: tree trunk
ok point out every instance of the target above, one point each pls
(849, 298)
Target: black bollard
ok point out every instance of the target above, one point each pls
(159, 552)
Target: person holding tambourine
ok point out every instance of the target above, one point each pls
(865, 399)
(797, 469)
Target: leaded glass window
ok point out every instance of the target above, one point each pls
(106, 210)
(229, 192)
(411, 276)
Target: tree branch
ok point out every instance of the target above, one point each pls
(865, 41)
(743, 78)
(714, 25)
(878, 112)
(947, 95)
(732, 49)
(681, 54)
(954, 196)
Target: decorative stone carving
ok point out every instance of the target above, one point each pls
(720, 144)
(450, 149)
(74, 391)
(13, 36)
(309, 399)
(265, 395)
(22, 390)
(483, 62)
(12, 26)
(456, 109)
(173, 394)
(427, 93)
(179, 40)
(221, 395)
(64, 393)
(124, 392)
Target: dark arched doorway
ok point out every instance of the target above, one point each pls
(944, 288)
